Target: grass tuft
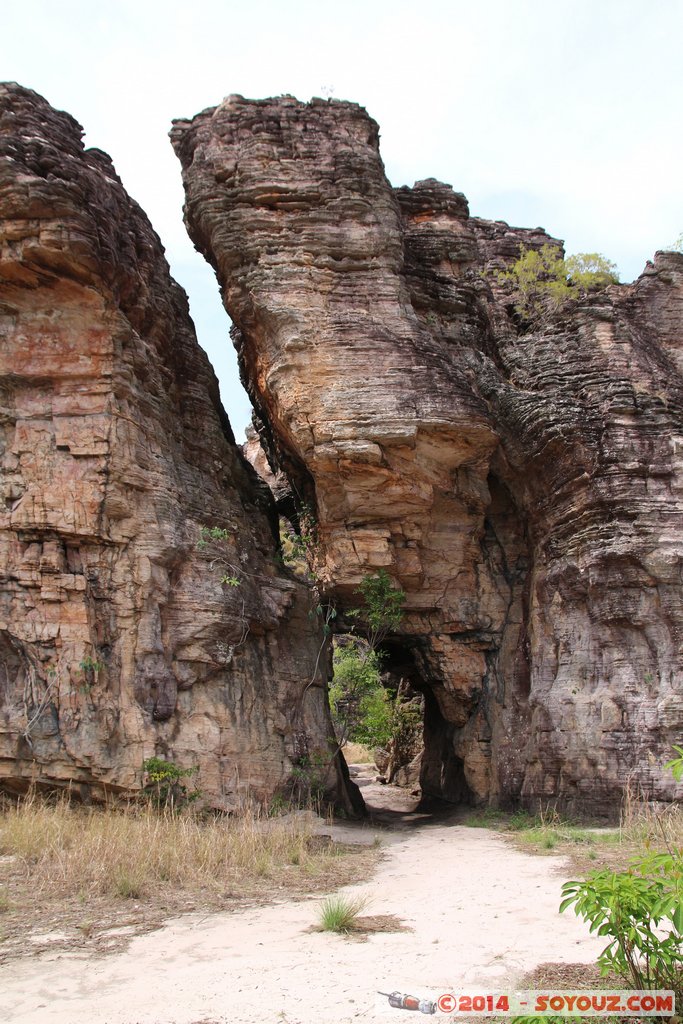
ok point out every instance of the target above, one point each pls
(340, 913)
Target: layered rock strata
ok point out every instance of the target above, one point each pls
(522, 483)
(118, 638)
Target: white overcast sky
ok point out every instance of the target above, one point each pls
(560, 114)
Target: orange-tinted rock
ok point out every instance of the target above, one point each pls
(118, 640)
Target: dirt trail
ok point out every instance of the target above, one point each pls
(480, 913)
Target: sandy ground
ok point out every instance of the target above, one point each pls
(480, 915)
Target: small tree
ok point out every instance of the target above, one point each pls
(363, 710)
(543, 281)
(164, 785)
(361, 707)
(383, 606)
(590, 271)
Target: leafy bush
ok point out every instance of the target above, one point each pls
(363, 710)
(641, 911)
(361, 707)
(543, 281)
(383, 606)
(163, 784)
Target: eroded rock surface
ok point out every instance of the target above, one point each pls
(118, 640)
(522, 485)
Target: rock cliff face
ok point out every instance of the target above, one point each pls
(118, 640)
(522, 485)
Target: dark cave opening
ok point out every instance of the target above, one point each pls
(429, 769)
(474, 731)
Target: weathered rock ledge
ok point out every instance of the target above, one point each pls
(523, 486)
(117, 639)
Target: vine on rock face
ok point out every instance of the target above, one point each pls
(218, 544)
(212, 539)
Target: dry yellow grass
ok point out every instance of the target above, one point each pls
(125, 852)
(356, 753)
(650, 824)
(65, 866)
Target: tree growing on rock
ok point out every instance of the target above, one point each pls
(543, 281)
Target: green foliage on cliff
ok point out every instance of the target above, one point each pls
(164, 785)
(383, 609)
(543, 281)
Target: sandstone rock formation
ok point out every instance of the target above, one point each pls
(118, 640)
(523, 485)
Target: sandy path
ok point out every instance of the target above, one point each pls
(481, 913)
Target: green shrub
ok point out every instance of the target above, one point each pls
(543, 281)
(361, 707)
(163, 783)
(641, 911)
(590, 271)
(383, 609)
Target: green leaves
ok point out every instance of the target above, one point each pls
(384, 602)
(218, 544)
(544, 281)
(209, 533)
(641, 911)
(675, 766)
(164, 785)
(357, 698)
(362, 708)
(589, 271)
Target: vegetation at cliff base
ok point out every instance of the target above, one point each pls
(639, 909)
(76, 872)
